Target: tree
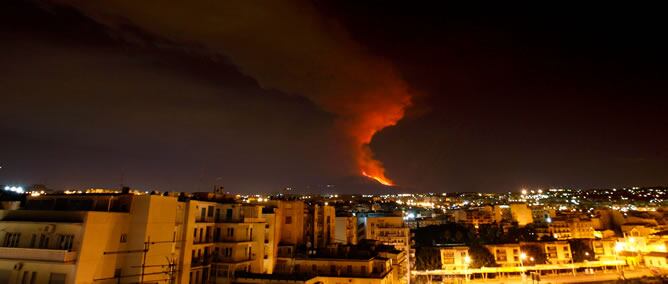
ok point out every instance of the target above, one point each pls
(516, 234)
(581, 250)
(490, 233)
(480, 256)
(535, 251)
(449, 233)
(427, 258)
(547, 238)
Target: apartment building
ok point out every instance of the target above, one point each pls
(220, 240)
(563, 228)
(272, 217)
(505, 254)
(370, 262)
(390, 230)
(475, 216)
(521, 213)
(293, 221)
(194, 239)
(542, 214)
(605, 249)
(89, 239)
(557, 252)
(321, 226)
(514, 212)
(125, 238)
(455, 257)
(582, 229)
(346, 229)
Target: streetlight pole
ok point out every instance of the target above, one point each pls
(572, 264)
(618, 248)
(523, 256)
(467, 261)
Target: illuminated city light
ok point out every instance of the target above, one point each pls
(17, 189)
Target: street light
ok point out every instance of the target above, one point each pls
(618, 248)
(523, 256)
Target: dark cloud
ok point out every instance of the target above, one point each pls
(88, 111)
(511, 98)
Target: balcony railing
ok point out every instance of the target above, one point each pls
(206, 240)
(200, 261)
(392, 234)
(200, 219)
(235, 239)
(38, 254)
(246, 219)
(222, 259)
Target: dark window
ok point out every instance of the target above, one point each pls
(12, 239)
(216, 234)
(25, 278)
(57, 278)
(65, 241)
(288, 220)
(43, 241)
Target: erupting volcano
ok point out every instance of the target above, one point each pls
(373, 112)
(283, 45)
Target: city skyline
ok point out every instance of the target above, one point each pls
(500, 99)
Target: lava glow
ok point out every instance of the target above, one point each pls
(371, 167)
(381, 179)
(383, 109)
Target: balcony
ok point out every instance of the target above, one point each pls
(200, 219)
(392, 234)
(200, 261)
(240, 220)
(244, 239)
(54, 255)
(232, 260)
(206, 240)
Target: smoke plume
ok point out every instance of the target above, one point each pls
(284, 45)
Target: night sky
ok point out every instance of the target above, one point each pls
(501, 97)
